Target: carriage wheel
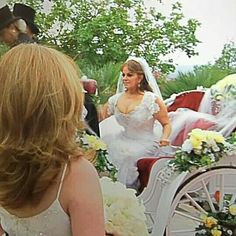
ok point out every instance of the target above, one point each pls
(204, 190)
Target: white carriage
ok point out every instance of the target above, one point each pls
(174, 201)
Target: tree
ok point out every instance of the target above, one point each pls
(102, 31)
(227, 60)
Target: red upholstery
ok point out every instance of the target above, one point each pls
(200, 123)
(144, 168)
(190, 99)
(90, 85)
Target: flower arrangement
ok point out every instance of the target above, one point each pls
(220, 223)
(124, 214)
(225, 93)
(202, 148)
(224, 89)
(95, 151)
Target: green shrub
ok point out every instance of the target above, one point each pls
(204, 76)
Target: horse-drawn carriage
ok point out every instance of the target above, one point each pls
(175, 202)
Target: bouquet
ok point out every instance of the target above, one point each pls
(124, 214)
(220, 223)
(95, 151)
(202, 148)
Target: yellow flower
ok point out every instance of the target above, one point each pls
(217, 137)
(232, 209)
(196, 143)
(198, 134)
(216, 232)
(209, 221)
(95, 142)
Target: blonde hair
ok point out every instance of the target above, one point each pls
(41, 104)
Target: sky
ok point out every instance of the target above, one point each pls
(217, 18)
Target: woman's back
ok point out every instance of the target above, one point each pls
(48, 218)
(40, 113)
(53, 215)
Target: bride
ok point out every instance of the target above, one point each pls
(137, 108)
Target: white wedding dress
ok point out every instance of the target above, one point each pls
(131, 136)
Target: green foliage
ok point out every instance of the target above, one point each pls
(104, 167)
(102, 31)
(3, 49)
(204, 76)
(227, 60)
(106, 77)
(221, 222)
(232, 138)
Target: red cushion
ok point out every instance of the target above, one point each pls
(144, 168)
(183, 134)
(191, 100)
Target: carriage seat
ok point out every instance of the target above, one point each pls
(144, 168)
(191, 100)
(188, 99)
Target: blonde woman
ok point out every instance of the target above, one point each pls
(46, 187)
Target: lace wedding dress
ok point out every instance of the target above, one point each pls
(135, 136)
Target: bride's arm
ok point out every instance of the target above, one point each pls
(162, 117)
(103, 112)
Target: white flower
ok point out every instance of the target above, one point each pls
(124, 214)
(215, 148)
(212, 157)
(211, 142)
(187, 146)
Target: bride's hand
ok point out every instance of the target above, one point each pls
(164, 142)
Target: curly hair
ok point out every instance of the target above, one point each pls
(41, 102)
(135, 67)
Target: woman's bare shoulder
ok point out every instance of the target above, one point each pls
(83, 198)
(80, 169)
(80, 183)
